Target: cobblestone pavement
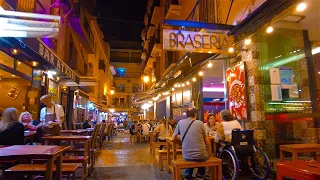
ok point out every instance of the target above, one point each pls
(121, 160)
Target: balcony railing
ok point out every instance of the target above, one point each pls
(128, 90)
(123, 105)
(168, 3)
(129, 75)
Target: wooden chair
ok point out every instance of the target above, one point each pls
(214, 163)
(156, 144)
(163, 153)
(20, 170)
(133, 137)
(101, 136)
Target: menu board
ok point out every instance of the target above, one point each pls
(237, 91)
(186, 97)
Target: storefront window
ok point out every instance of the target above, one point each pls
(278, 90)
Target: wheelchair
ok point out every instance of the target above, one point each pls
(242, 151)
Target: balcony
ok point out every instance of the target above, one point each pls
(129, 75)
(144, 56)
(156, 50)
(150, 61)
(125, 105)
(172, 9)
(151, 31)
(156, 15)
(128, 89)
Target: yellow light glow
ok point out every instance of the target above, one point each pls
(14, 51)
(200, 73)
(247, 41)
(105, 90)
(183, 85)
(58, 78)
(194, 79)
(112, 110)
(13, 75)
(231, 50)
(188, 83)
(112, 91)
(146, 79)
(179, 85)
(172, 89)
(176, 85)
(34, 63)
(301, 7)
(19, 62)
(209, 65)
(269, 29)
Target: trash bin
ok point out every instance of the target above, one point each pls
(298, 170)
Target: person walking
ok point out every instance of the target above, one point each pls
(51, 116)
(194, 140)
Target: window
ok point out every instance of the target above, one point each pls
(122, 88)
(102, 65)
(121, 72)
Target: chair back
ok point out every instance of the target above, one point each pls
(242, 141)
(110, 131)
(95, 133)
(103, 127)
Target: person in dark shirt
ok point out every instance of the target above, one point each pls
(86, 124)
(11, 131)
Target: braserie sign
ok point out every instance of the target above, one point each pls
(175, 40)
(57, 63)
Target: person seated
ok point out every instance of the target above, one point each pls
(161, 132)
(225, 128)
(27, 121)
(172, 122)
(145, 127)
(86, 124)
(212, 125)
(11, 131)
(134, 128)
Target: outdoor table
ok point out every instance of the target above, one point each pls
(29, 135)
(298, 148)
(50, 153)
(73, 132)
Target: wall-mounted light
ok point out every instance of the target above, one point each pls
(231, 50)
(146, 79)
(34, 63)
(14, 51)
(269, 29)
(112, 91)
(301, 6)
(247, 41)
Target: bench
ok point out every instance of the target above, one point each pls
(213, 162)
(156, 144)
(71, 159)
(37, 169)
(164, 153)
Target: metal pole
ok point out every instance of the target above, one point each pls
(225, 84)
(311, 78)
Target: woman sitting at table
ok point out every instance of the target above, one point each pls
(11, 131)
(27, 121)
(225, 128)
(212, 125)
(160, 131)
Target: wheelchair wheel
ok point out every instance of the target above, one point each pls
(230, 164)
(260, 165)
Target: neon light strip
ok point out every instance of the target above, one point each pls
(29, 15)
(209, 89)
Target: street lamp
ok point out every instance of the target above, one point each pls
(112, 92)
(146, 79)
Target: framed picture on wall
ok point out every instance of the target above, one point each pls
(13, 93)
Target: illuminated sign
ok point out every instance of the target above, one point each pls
(52, 58)
(176, 40)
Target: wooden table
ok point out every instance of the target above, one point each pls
(214, 146)
(298, 148)
(50, 153)
(86, 150)
(29, 135)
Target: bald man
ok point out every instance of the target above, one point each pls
(51, 116)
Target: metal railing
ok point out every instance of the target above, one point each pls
(128, 89)
(129, 75)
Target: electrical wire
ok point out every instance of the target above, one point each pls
(229, 11)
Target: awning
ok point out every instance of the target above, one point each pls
(84, 81)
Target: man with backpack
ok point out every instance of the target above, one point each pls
(194, 139)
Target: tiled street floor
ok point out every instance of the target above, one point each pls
(121, 160)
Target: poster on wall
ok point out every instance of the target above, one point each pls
(236, 90)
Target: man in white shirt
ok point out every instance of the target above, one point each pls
(145, 128)
(51, 116)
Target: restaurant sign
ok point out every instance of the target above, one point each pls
(177, 40)
(52, 58)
